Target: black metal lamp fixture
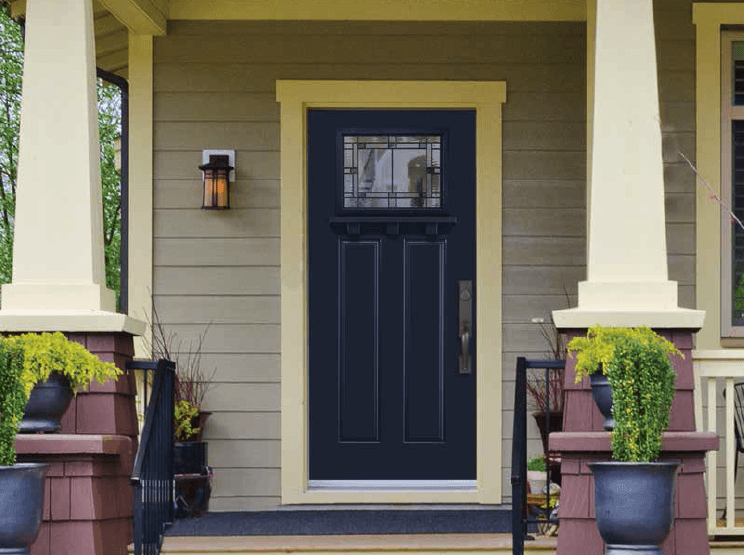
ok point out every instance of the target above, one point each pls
(216, 180)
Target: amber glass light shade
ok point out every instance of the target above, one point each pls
(216, 183)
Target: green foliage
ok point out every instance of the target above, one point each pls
(185, 415)
(45, 353)
(11, 70)
(537, 464)
(636, 363)
(109, 123)
(13, 399)
(109, 128)
(739, 297)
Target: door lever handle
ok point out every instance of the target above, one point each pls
(465, 350)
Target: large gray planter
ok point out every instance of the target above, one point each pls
(602, 394)
(46, 405)
(21, 503)
(634, 505)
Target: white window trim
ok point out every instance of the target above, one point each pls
(709, 19)
(729, 113)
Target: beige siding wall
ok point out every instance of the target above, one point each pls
(214, 88)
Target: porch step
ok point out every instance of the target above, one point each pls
(463, 544)
(337, 522)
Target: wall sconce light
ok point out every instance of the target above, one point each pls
(216, 167)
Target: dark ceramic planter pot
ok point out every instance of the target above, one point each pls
(21, 503)
(46, 405)
(556, 425)
(198, 423)
(189, 457)
(193, 479)
(634, 505)
(603, 397)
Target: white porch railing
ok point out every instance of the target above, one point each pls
(716, 372)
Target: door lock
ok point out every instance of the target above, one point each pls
(465, 326)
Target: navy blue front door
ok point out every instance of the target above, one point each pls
(391, 198)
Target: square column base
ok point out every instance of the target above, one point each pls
(88, 501)
(578, 529)
(584, 440)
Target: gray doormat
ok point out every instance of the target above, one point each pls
(340, 522)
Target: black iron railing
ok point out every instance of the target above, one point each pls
(520, 518)
(152, 475)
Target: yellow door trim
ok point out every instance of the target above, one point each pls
(296, 97)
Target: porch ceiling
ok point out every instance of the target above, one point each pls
(114, 19)
(112, 37)
(112, 41)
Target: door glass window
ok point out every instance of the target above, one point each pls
(392, 171)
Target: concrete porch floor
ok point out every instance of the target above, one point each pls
(370, 544)
(420, 544)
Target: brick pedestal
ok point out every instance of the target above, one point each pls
(88, 499)
(583, 441)
(107, 408)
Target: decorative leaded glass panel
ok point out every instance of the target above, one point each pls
(737, 188)
(392, 171)
(737, 48)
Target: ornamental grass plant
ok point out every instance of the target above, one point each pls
(637, 364)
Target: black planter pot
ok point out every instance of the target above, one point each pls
(634, 505)
(189, 457)
(602, 397)
(46, 405)
(556, 425)
(21, 503)
(193, 479)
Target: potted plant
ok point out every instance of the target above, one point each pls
(634, 493)
(191, 385)
(537, 474)
(54, 369)
(547, 403)
(21, 485)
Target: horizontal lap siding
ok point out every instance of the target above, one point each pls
(215, 88)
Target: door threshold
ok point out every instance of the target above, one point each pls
(392, 485)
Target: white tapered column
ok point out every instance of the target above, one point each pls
(627, 281)
(58, 252)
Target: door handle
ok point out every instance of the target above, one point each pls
(465, 326)
(464, 363)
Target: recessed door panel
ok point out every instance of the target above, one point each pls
(424, 363)
(359, 341)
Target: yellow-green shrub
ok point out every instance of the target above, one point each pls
(45, 353)
(636, 363)
(12, 399)
(184, 415)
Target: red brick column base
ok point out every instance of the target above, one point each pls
(88, 499)
(583, 441)
(107, 408)
(578, 531)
